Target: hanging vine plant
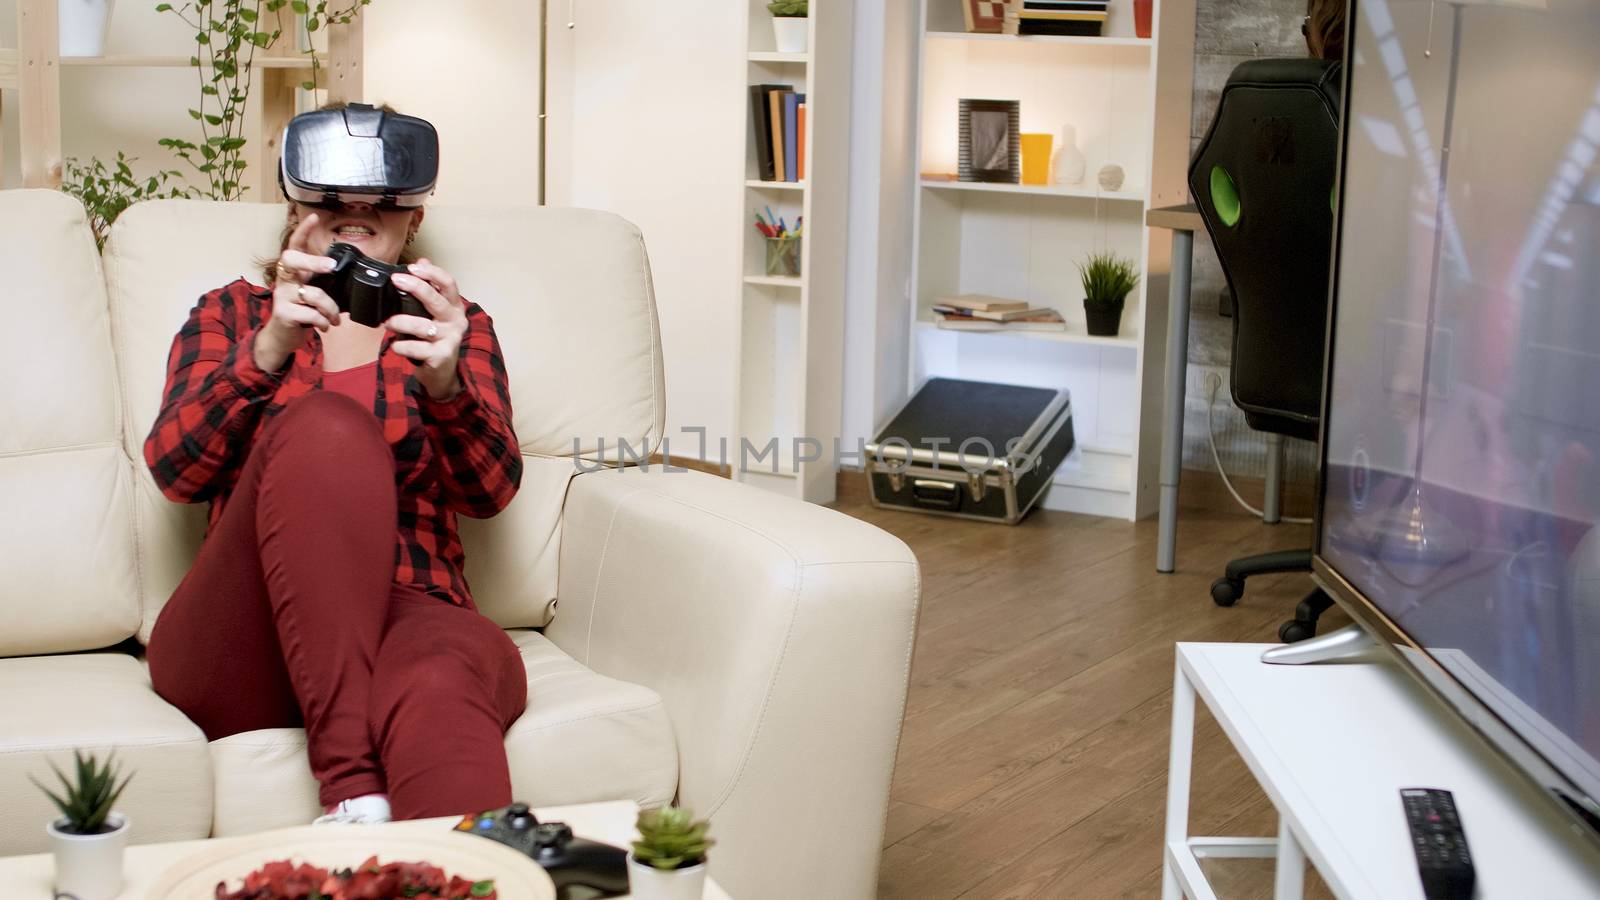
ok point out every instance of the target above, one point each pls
(227, 35)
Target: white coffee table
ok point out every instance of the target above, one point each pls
(30, 877)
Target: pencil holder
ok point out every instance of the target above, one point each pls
(783, 256)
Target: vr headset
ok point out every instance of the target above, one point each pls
(359, 154)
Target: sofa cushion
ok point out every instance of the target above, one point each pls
(67, 571)
(160, 258)
(99, 703)
(574, 311)
(584, 738)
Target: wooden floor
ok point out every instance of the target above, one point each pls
(1033, 759)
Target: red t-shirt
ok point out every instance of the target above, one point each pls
(359, 384)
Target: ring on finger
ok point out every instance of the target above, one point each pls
(301, 292)
(433, 332)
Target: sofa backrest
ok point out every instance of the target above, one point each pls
(569, 291)
(67, 556)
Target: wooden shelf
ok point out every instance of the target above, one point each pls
(761, 184)
(1124, 340)
(1097, 470)
(1039, 190)
(159, 62)
(783, 281)
(1068, 39)
(774, 56)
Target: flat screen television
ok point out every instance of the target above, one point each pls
(1460, 484)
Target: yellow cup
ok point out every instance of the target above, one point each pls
(1036, 157)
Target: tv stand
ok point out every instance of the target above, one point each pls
(1343, 644)
(1334, 767)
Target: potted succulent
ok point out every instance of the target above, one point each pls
(1107, 280)
(89, 838)
(668, 861)
(789, 24)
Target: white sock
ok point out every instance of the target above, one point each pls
(371, 806)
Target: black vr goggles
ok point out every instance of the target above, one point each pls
(359, 154)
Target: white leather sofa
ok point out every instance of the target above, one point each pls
(743, 653)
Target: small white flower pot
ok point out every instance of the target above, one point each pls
(83, 25)
(646, 882)
(89, 866)
(789, 33)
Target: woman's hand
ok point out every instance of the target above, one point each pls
(436, 342)
(296, 305)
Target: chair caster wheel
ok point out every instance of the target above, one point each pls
(1296, 630)
(1226, 591)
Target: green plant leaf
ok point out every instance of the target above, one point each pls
(163, 7)
(194, 114)
(247, 14)
(299, 6)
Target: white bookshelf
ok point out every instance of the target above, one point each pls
(789, 378)
(1129, 100)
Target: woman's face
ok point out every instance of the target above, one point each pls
(379, 234)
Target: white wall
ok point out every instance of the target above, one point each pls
(472, 68)
(647, 108)
(878, 260)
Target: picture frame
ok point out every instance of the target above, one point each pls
(990, 141)
(984, 16)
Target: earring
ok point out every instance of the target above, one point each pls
(410, 237)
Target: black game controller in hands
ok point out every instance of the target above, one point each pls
(570, 861)
(360, 285)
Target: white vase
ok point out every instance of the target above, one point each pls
(89, 866)
(789, 33)
(83, 25)
(646, 882)
(1069, 164)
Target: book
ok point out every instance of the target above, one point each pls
(1041, 320)
(761, 118)
(983, 302)
(1064, 6)
(800, 138)
(1005, 315)
(1067, 16)
(775, 105)
(791, 146)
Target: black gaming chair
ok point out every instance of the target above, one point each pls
(1263, 180)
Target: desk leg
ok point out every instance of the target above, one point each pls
(1180, 760)
(1291, 877)
(1272, 505)
(1172, 398)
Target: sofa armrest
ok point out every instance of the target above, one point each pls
(779, 634)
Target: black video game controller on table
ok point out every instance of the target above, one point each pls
(360, 286)
(573, 863)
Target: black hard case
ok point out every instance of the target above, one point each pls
(915, 462)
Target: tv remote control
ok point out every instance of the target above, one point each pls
(1440, 844)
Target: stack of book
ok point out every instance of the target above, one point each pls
(779, 117)
(1062, 17)
(978, 312)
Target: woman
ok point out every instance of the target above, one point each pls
(329, 589)
(1323, 29)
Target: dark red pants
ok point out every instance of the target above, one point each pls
(290, 617)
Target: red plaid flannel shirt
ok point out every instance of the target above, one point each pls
(454, 456)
